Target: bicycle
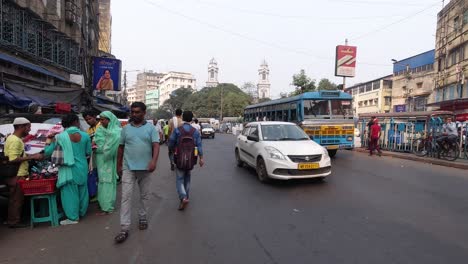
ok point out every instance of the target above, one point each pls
(424, 146)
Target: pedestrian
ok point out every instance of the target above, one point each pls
(369, 125)
(93, 122)
(187, 146)
(375, 132)
(158, 127)
(166, 132)
(107, 140)
(75, 146)
(176, 122)
(137, 159)
(14, 150)
(196, 125)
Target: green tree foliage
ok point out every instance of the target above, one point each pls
(177, 99)
(303, 83)
(160, 114)
(207, 101)
(326, 84)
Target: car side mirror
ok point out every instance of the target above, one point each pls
(252, 138)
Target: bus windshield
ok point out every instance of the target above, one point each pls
(316, 108)
(341, 109)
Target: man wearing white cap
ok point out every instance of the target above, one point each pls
(14, 149)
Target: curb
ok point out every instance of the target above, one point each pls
(444, 163)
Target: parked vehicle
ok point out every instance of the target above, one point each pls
(207, 131)
(281, 150)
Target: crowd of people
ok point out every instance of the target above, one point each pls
(91, 163)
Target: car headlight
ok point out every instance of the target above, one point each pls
(275, 153)
(325, 153)
(349, 138)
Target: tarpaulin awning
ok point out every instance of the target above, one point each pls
(7, 98)
(42, 95)
(30, 66)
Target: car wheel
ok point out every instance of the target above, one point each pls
(212, 136)
(239, 162)
(262, 173)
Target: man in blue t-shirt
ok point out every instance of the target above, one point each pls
(137, 159)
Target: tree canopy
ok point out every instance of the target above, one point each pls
(326, 84)
(303, 83)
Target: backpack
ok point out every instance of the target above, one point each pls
(184, 154)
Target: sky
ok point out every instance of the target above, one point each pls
(183, 35)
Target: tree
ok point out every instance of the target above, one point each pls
(326, 84)
(303, 83)
(177, 99)
(250, 89)
(160, 114)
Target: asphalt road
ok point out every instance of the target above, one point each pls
(370, 210)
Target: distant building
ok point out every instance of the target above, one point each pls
(212, 74)
(147, 81)
(152, 99)
(105, 26)
(173, 81)
(413, 83)
(263, 86)
(131, 94)
(372, 97)
(451, 59)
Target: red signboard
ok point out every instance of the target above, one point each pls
(345, 64)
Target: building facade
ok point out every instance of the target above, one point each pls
(173, 81)
(146, 81)
(152, 99)
(413, 83)
(131, 95)
(212, 74)
(372, 97)
(263, 86)
(105, 26)
(451, 59)
(46, 46)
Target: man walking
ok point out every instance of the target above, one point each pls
(175, 122)
(187, 146)
(137, 159)
(375, 131)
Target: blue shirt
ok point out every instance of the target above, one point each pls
(196, 136)
(138, 142)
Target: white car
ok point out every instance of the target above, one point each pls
(281, 150)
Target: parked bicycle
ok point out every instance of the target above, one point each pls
(448, 150)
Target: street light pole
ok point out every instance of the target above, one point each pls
(221, 114)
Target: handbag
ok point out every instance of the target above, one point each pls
(8, 169)
(57, 155)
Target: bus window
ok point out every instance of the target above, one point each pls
(341, 108)
(314, 108)
(293, 113)
(285, 115)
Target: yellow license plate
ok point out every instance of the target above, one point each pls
(333, 147)
(308, 166)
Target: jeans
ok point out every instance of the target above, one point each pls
(183, 183)
(129, 178)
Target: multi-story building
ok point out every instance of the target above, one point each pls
(372, 97)
(105, 26)
(451, 59)
(131, 94)
(46, 46)
(173, 81)
(152, 99)
(263, 86)
(413, 83)
(147, 81)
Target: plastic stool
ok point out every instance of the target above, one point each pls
(53, 215)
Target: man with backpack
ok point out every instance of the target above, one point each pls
(185, 143)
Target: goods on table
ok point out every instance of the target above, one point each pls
(42, 179)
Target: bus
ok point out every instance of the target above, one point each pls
(326, 116)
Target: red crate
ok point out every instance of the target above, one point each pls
(36, 187)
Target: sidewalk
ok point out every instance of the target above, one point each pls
(459, 163)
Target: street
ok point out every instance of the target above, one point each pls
(370, 210)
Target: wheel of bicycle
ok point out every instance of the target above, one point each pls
(452, 153)
(420, 147)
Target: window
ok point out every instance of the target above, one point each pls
(263, 76)
(419, 84)
(361, 89)
(316, 107)
(282, 132)
(456, 23)
(376, 85)
(245, 132)
(253, 131)
(293, 112)
(368, 87)
(388, 100)
(341, 108)
(465, 17)
(212, 75)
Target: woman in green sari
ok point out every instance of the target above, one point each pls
(107, 139)
(73, 173)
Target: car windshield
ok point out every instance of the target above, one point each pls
(283, 132)
(206, 126)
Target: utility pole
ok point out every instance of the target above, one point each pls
(221, 114)
(344, 78)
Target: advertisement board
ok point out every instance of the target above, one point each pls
(400, 108)
(106, 74)
(345, 63)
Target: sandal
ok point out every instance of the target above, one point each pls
(121, 237)
(143, 224)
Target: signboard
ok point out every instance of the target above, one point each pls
(106, 74)
(400, 108)
(345, 64)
